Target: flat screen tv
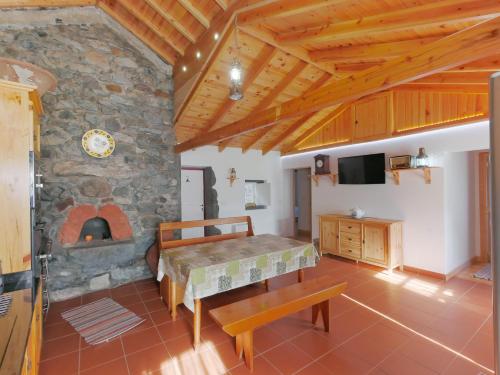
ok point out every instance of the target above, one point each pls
(364, 169)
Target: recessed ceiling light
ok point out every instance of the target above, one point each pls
(184, 68)
(216, 36)
(198, 55)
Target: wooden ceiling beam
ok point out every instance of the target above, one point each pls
(283, 8)
(161, 6)
(222, 4)
(196, 12)
(316, 127)
(258, 65)
(45, 3)
(433, 13)
(471, 89)
(146, 14)
(452, 78)
(490, 64)
(263, 132)
(141, 31)
(270, 97)
(269, 37)
(368, 52)
(190, 71)
(467, 45)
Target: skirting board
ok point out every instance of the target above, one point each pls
(440, 276)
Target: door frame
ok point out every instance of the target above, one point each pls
(204, 187)
(294, 189)
(484, 205)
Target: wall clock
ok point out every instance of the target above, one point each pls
(321, 164)
(98, 143)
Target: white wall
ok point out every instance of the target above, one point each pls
(426, 211)
(277, 218)
(460, 193)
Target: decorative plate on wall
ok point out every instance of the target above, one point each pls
(98, 143)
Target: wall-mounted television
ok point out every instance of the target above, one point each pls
(364, 169)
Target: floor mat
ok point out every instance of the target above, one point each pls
(101, 321)
(484, 273)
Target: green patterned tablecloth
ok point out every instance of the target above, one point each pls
(210, 268)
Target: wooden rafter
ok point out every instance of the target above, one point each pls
(270, 97)
(318, 126)
(473, 89)
(196, 12)
(467, 45)
(190, 72)
(141, 31)
(435, 12)
(452, 78)
(45, 3)
(263, 132)
(162, 6)
(258, 65)
(283, 8)
(146, 15)
(222, 4)
(269, 37)
(368, 52)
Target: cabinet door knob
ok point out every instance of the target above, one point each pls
(349, 227)
(350, 239)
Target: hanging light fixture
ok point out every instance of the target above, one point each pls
(236, 72)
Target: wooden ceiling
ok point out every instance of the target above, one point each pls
(304, 61)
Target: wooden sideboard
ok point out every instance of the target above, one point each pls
(20, 107)
(369, 240)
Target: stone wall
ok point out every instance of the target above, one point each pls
(103, 82)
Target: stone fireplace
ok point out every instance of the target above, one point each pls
(105, 81)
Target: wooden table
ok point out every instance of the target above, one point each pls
(190, 273)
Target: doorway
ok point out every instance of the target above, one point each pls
(302, 215)
(192, 200)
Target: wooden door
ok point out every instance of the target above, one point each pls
(192, 201)
(372, 117)
(484, 207)
(375, 243)
(329, 236)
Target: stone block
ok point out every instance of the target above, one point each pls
(99, 282)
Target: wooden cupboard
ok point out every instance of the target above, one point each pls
(20, 107)
(370, 240)
(33, 352)
(373, 117)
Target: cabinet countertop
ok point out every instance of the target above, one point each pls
(15, 330)
(366, 218)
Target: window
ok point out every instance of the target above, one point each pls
(257, 194)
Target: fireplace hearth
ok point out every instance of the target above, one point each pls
(95, 229)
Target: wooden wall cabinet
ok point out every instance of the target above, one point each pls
(20, 107)
(369, 240)
(373, 117)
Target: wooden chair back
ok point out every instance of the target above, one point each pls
(166, 238)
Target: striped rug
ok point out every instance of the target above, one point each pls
(101, 321)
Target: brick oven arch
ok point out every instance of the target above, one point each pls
(119, 225)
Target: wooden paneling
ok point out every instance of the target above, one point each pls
(329, 229)
(415, 110)
(375, 243)
(16, 124)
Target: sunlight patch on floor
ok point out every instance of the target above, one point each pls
(419, 334)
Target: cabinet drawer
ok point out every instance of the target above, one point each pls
(350, 227)
(350, 238)
(350, 249)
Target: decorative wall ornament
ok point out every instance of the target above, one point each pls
(98, 143)
(232, 176)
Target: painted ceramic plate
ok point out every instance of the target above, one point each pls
(98, 143)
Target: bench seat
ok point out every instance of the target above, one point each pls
(241, 318)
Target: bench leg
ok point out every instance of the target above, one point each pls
(248, 349)
(315, 314)
(325, 313)
(266, 284)
(173, 299)
(239, 345)
(301, 275)
(165, 291)
(197, 322)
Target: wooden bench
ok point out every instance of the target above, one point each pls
(172, 293)
(241, 318)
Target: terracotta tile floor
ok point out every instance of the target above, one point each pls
(391, 324)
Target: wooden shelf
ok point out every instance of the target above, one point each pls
(331, 176)
(426, 171)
